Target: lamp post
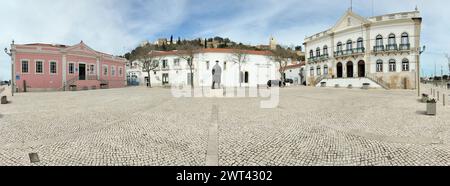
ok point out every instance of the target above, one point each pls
(10, 54)
(418, 69)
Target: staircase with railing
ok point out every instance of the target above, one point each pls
(318, 80)
(72, 82)
(378, 81)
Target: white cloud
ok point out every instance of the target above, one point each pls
(116, 26)
(108, 26)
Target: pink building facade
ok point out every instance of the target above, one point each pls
(46, 67)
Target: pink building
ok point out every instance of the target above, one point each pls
(46, 67)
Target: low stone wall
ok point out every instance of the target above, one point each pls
(402, 80)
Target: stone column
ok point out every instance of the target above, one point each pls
(98, 68)
(367, 57)
(64, 69)
(331, 54)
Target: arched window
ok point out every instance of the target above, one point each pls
(325, 50)
(405, 65)
(392, 65)
(379, 43)
(405, 38)
(318, 70)
(360, 43)
(349, 45)
(339, 48)
(311, 53)
(311, 71)
(318, 51)
(392, 44)
(325, 70)
(391, 40)
(405, 42)
(379, 65)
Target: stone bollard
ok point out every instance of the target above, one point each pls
(4, 100)
(438, 95)
(431, 107)
(443, 99)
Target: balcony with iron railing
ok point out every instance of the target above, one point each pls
(379, 48)
(405, 46)
(324, 57)
(349, 52)
(391, 47)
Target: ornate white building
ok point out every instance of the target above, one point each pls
(382, 50)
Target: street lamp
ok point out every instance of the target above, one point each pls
(9, 53)
(418, 69)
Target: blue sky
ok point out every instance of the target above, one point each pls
(117, 26)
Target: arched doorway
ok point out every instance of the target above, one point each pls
(349, 69)
(339, 70)
(361, 69)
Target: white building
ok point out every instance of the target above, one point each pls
(256, 71)
(383, 50)
(296, 73)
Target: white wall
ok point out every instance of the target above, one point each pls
(260, 68)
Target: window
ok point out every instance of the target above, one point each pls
(120, 71)
(105, 70)
(24, 66)
(360, 43)
(207, 65)
(379, 65)
(318, 51)
(339, 46)
(311, 53)
(71, 68)
(405, 38)
(391, 40)
(325, 50)
(165, 78)
(53, 67)
(92, 69)
(405, 65)
(113, 71)
(165, 65)
(155, 63)
(39, 67)
(349, 45)
(392, 65)
(176, 62)
(311, 71)
(379, 41)
(318, 70)
(246, 77)
(325, 70)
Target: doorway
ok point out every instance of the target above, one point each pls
(349, 69)
(339, 70)
(82, 71)
(361, 69)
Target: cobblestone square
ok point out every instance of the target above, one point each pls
(141, 126)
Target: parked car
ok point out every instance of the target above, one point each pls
(278, 83)
(291, 81)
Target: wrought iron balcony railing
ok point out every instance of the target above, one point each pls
(405, 46)
(378, 48)
(391, 47)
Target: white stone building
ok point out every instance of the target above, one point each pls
(383, 50)
(256, 71)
